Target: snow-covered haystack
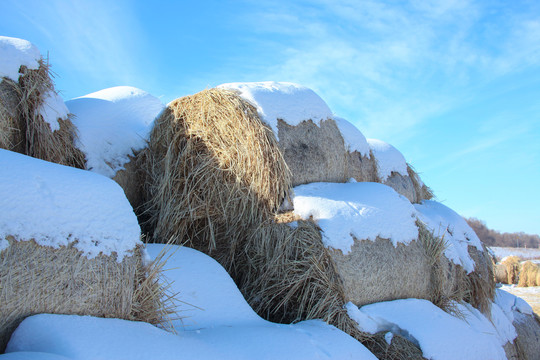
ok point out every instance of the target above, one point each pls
(394, 171)
(372, 237)
(215, 170)
(466, 266)
(309, 138)
(114, 126)
(69, 244)
(320, 147)
(33, 118)
(524, 338)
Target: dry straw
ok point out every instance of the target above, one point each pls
(314, 152)
(36, 279)
(288, 275)
(528, 274)
(512, 266)
(23, 128)
(215, 170)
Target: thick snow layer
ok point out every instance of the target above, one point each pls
(439, 334)
(389, 159)
(289, 102)
(219, 324)
(13, 54)
(89, 338)
(354, 139)
(363, 210)
(52, 109)
(509, 302)
(198, 278)
(450, 226)
(112, 124)
(57, 205)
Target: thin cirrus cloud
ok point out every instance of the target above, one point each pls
(365, 57)
(99, 40)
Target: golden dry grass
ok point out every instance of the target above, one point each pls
(214, 171)
(513, 266)
(423, 192)
(35, 279)
(528, 274)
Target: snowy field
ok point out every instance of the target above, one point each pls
(523, 253)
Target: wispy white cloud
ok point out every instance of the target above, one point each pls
(101, 40)
(391, 68)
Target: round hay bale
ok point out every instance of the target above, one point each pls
(376, 271)
(513, 266)
(10, 136)
(33, 118)
(288, 275)
(361, 167)
(501, 274)
(38, 279)
(528, 340)
(394, 171)
(528, 274)
(215, 171)
(69, 244)
(314, 152)
(481, 281)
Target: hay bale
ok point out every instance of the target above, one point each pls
(528, 340)
(33, 118)
(69, 244)
(215, 170)
(394, 171)
(38, 279)
(481, 281)
(314, 152)
(528, 274)
(376, 271)
(501, 274)
(513, 266)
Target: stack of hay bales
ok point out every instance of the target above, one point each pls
(69, 244)
(318, 146)
(218, 175)
(33, 119)
(114, 125)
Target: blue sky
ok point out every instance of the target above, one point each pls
(453, 84)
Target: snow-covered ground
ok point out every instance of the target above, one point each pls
(524, 253)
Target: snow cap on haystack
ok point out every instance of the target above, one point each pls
(394, 171)
(70, 244)
(33, 117)
(214, 170)
(114, 125)
(315, 144)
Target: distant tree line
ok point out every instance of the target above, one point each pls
(494, 238)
